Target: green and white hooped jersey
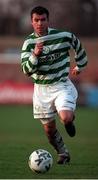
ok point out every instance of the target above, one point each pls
(53, 64)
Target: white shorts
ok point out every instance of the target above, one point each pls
(49, 99)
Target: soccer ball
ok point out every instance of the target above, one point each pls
(40, 161)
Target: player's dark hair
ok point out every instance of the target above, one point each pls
(40, 10)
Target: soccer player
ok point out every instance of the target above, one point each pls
(45, 58)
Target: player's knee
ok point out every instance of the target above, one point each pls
(50, 129)
(67, 117)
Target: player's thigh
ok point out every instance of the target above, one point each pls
(66, 99)
(43, 104)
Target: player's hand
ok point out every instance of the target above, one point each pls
(38, 49)
(75, 71)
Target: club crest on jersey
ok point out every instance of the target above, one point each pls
(46, 50)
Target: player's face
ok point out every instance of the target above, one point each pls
(40, 24)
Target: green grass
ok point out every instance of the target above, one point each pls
(20, 134)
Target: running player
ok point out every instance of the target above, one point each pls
(45, 58)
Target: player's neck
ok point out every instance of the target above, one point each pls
(41, 34)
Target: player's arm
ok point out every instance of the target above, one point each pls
(80, 55)
(29, 60)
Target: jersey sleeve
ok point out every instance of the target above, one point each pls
(28, 60)
(80, 53)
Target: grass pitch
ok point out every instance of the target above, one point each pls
(20, 134)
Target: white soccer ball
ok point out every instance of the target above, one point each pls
(40, 161)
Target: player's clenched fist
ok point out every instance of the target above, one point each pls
(38, 49)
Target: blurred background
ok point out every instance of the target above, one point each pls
(80, 17)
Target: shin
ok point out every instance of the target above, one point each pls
(54, 137)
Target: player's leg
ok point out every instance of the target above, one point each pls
(65, 104)
(56, 140)
(44, 109)
(67, 117)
